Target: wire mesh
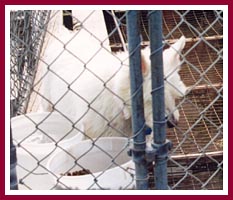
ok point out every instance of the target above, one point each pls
(26, 38)
(64, 59)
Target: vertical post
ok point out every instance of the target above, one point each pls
(136, 84)
(158, 105)
(13, 176)
(13, 159)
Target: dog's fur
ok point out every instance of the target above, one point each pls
(96, 91)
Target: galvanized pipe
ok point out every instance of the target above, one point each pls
(158, 102)
(119, 30)
(136, 83)
(13, 158)
(13, 162)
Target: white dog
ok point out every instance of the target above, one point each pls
(95, 90)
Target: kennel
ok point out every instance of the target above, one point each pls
(200, 128)
(196, 159)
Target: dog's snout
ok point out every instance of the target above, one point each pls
(171, 121)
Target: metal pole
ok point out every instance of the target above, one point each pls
(119, 31)
(136, 83)
(13, 162)
(158, 103)
(13, 158)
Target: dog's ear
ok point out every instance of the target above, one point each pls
(145, 62)
(178, 46)
(144, 66)
(171, 56)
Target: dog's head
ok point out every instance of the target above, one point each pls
(174, 86)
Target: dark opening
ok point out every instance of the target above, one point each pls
(67, 19)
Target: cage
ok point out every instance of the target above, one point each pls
(200, 129)
(196, 160)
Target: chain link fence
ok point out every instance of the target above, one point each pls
(71, 101)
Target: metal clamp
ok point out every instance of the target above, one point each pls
(158, 150)
(147, 131)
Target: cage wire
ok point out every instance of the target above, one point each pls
(196, 159)
(26, 38)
